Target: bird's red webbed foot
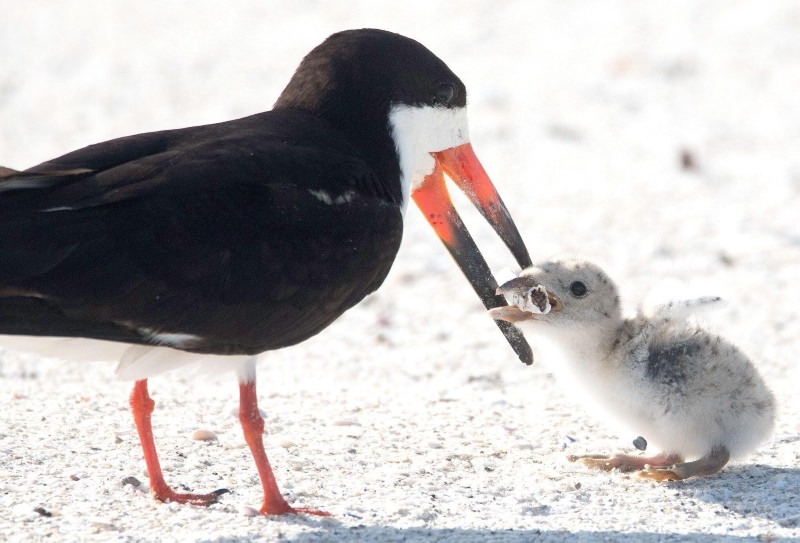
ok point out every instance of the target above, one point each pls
(273, 508)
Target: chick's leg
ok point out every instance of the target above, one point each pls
(707, 465)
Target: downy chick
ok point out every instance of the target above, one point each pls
(690, 393)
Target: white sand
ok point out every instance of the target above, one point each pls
(410, 419)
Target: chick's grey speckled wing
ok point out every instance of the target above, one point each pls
(671, 362)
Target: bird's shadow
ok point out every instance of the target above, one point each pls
(748, 490)
(391, 534)
(388, 534)
(751, 490)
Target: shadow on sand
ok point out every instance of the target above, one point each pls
(751, 490)
(744, 490)
(387, 534)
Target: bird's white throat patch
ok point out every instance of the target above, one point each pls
(419, 131)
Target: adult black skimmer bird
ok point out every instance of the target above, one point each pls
(231, 239)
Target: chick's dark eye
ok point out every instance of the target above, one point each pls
(578, 289)
(444, 94)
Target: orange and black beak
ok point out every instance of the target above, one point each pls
(463, 167)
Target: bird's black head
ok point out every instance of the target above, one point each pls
(405, 111)
(361, 72)
(356, 78)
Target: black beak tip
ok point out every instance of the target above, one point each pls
(517, 341)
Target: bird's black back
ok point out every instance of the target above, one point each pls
(220, 231)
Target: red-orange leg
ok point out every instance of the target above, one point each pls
(142, 406)
(253, 427)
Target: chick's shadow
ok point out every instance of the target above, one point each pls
(751, 490)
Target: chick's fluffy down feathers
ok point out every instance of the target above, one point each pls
(655, 374)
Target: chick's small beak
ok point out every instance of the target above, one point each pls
(431, 196)
(510, 313)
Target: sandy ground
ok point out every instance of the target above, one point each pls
(410, 419)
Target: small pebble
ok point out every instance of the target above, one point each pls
(345, 422)
(101, 523)
(299, 464)
(131, 480)
(204, 435)
(535, 510)
(248, 511)
(43, 512)
(640, 443)
(287, 443)
(688, 160)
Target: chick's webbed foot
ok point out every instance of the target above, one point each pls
(707, 465)
(624, 462)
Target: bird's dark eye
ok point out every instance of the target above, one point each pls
(578, 289)
(444, 94)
